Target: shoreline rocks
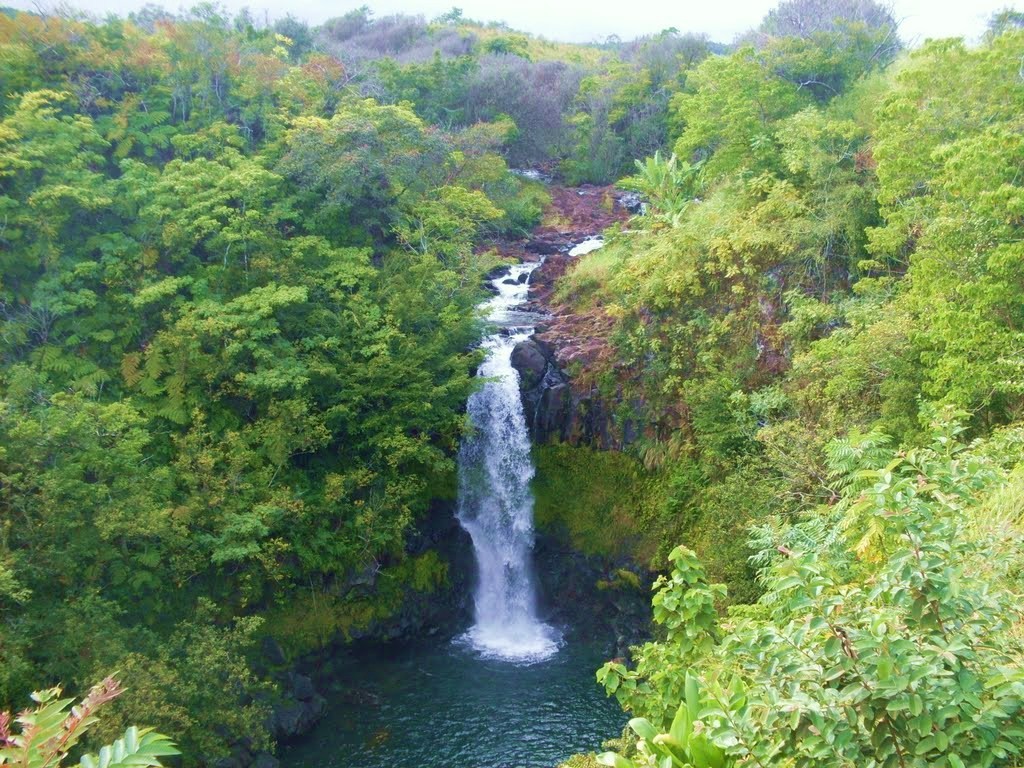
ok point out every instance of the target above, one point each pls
(592, 597)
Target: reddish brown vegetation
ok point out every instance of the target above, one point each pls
(579, 338)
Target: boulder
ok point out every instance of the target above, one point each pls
(502, 269)
(302, 688)
(543, 247)
(631, 202)
(531, 362)
(295, 718)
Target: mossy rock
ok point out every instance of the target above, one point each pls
(601, 502)
(309, 621)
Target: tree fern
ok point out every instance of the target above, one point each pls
(131, 371)
(849, 458)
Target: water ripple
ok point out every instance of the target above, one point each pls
(445, 706)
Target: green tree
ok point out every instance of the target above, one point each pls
(724, 117)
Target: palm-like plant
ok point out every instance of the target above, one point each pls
(669, 186)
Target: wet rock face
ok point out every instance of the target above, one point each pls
(544, 389)
(530, 361)
(570, 582)
(297, 718)
(442, 612)
(299, 709)
(555, 409)
(445, 610)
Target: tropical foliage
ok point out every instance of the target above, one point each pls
(904, 650)
(239, 266)
(836, 264)
(238, 335)
(817, 330)
(47, 733)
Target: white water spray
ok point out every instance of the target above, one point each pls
(495, 502)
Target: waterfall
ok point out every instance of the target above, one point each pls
(495, 503)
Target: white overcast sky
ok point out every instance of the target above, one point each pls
(590, 20)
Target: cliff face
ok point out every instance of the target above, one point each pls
(557, 408)
(561, 405)
(559, 364)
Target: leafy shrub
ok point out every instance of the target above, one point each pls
(900, 655)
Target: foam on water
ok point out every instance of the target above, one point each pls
(588, 245)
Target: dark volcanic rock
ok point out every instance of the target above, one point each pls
(545, 391)
(531, 362)
(545, 246)
(583, 592)
(552, 412)
(503, 269)
(296, 718)
(555, 408)
(448, 608)
(302, 688)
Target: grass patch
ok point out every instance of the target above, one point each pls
(601, 502)
(588, 278)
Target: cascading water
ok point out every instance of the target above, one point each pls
(495, 502)
(538, 709)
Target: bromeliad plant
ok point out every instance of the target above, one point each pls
(686, 745)
(47, 733)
